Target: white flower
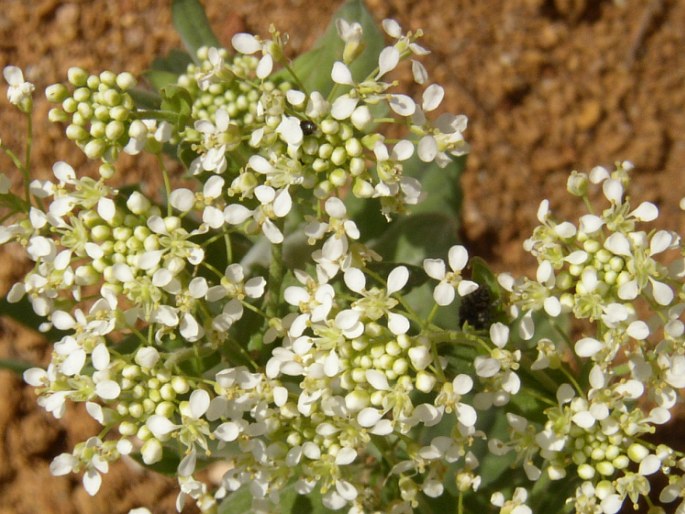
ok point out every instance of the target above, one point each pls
(443, 294)
(19, 91)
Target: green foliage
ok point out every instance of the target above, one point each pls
(313, 68)
(191, 23)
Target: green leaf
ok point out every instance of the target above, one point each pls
(415, 238)
(15, 365)
(441, 185)
(178, 100)
(192, 25)
(289, 502)
(22, 311)
(13, 202)
(167, 466)
(176, 62)
(314, 67)
(159, 79)
(145, 99)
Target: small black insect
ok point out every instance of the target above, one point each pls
(476, 309)
(308, 127)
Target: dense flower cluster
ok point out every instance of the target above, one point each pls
(180, 332)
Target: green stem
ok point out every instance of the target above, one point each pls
(27, 158)
(170, 116)
(275, 279)
(167, 184)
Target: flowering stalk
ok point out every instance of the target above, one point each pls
(347, 374)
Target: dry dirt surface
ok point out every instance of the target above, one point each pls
(549, 86)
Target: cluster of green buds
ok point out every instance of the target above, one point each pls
(98, 109)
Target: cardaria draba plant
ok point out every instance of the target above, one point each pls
(293, 307)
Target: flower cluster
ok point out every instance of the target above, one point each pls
(186, 328)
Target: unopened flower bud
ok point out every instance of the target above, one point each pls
(151, 451)
(125, 81)
(77, 76)
(56, 93)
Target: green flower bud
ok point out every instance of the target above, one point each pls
(76, 133)
(362, 189)
(56, 93)
(93, 82)
(119, 113)
(69, 105)
(329, 126)
(108, 78)
(125, 81)
(95, 149)
(605, 468)
(135, 410)
(77, 76)
(338, 177)
(81, 94)
(112, 98)
(151, 451)
(57, 115)
(114, 130)
(127, 429)
(180, 385)
(106, 170)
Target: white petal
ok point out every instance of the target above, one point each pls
(660, 242)
(92, 482)
(160, 426)
(187, 464)
(613, 190)
(377, 379)
(397, 323)
(662, 293)
(589, 223)
(434, 268)
(646, 211)
(213, 217)
(295, 97)
(466, 287)
(199, 403)
(345, 456)
(335, 208)
(62, 464)
(236, 214)
(419, 72)
(346, 490)
(355, 280)
(587, 347)
(427, 149)
(341, 74)
(343, 106)
(443, 294)
(272, 232)
(392, 28)
(245, 43)
(397, 279)
(100, 356)
(106, 209)
(402, 105)
(107, 389)
(458, 257)
(387, 60)
(182, 199)
(368, 417)
(403, 150)
(282, 203)
(264, 67)
(618, 243)
(432, 97)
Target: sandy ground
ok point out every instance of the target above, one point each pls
(549, 86)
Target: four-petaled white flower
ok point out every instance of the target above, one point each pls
(443, 294)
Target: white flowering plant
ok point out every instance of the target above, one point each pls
(293, 309)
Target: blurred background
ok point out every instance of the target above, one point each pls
(548, 85)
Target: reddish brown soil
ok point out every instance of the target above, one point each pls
(549, 86)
